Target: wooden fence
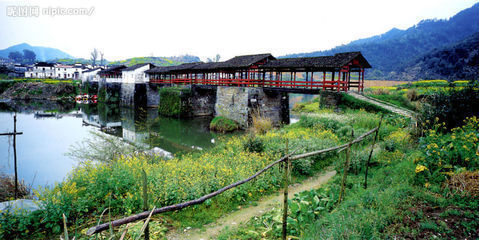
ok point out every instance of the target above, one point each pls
(287, 159)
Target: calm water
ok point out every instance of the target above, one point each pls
(50, 129)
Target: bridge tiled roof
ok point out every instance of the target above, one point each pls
(336, 61)
(270, 63)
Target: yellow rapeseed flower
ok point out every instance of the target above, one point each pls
(420, 168)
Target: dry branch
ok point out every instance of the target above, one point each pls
(179, 206)
(182, 205)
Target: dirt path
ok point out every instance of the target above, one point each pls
(241, 216)
(400, 111)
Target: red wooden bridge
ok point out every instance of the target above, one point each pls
(341, 72)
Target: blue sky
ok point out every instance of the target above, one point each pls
(125, 29)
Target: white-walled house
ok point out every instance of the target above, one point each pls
(58, 71)
(41, 70)
(136, 73)
(90, 75)
(64, 71)
(112, 74)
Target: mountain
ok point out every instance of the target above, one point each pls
(390, 51)
(457, 62)
(158, 61)
(42, 53)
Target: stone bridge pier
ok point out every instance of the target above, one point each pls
(241, 103)
(237, 103)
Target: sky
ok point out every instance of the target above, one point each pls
(204, 28)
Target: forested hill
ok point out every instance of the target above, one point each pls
(390, 51)
(457, 62)
(158, 61)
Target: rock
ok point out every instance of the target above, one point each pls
(156, 151)
(19, 205)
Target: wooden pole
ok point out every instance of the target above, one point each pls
(182, 205)
(15, 152)
(346, 166)
(145, 202)
(287, 163)
(371, 153)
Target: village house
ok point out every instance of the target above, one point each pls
(64, 71)
(90, 75)
(58, 71)
(41, 70)
(136, 73)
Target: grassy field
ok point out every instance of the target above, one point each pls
(382, 83)
(414, 188)
(421, 180)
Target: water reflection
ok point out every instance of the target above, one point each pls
(51, 128)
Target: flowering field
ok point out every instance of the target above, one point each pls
(116, 185)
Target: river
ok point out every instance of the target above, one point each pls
(50, 129)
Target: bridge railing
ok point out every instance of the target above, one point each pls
(295, 84)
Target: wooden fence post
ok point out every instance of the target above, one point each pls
(346, 167)
(371, 153)
(287, 163)
(145, 201)
(15, 152)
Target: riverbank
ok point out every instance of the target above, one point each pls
(410, 174)
(44, 89)
(93, 187)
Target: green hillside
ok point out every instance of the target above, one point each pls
(388, 52)
(158, 61)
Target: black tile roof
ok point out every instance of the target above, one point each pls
(136, 66)
(271, 63)
(91, 70)
(44, 64)
(113, 70)
(246, 61)
(336, 61)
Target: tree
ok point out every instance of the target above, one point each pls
(94, 57)
(15, 56)
(102, 60)
(29, 56)
(215, 59)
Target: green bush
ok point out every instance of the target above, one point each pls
(254, 145)
(450, 107)
(174, 102)
(444, 154)
(222, 124)
(322, 122)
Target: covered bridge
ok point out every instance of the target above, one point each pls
(340, 72)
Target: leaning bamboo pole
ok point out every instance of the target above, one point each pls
(289, 157)
(182, 205)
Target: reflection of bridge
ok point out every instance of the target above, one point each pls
(340, 72)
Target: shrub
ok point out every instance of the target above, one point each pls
(450, 107)
(319, 122)
(7, 188)
(380, 91)
(412, 94)
(443, 154)
(260, 124)
(222, 124)
(253, 145)
(174, 101)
